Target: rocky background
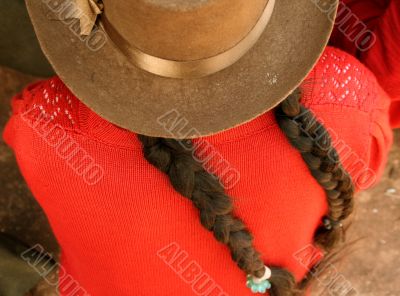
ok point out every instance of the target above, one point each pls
(371, 265)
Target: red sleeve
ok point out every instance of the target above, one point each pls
(355, 21)
(384, 58)
(368, 29)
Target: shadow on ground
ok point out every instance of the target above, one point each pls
(372, 268)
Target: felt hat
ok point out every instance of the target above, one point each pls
(182, 68)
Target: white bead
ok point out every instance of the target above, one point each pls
(267, 275)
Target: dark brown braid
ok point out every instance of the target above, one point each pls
(190, 179)
(313, 141)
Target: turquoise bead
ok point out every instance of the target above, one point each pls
(266, 285)
(254, 289)
(261, 289)
(258, 288)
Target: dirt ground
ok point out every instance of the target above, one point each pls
(372, 268)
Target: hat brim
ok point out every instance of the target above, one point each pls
(134, 99)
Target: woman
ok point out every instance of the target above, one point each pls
(271, 191)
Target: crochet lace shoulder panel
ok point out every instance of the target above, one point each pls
(340, 79)
(50, 100)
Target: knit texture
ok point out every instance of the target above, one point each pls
(124, 230)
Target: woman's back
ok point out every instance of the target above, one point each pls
(120, 223)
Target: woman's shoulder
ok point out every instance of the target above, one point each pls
(48, 100)
(339, 79)
(347, 98)
(51, 102)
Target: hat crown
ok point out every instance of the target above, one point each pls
(183, 30)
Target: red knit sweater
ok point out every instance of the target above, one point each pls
(122, 228)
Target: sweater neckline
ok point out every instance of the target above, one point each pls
(104, 131)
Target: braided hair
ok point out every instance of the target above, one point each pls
(191, 180)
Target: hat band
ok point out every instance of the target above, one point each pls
(191, 68)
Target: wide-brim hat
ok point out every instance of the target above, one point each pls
(140, 71)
